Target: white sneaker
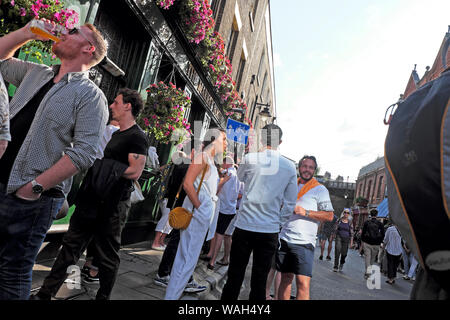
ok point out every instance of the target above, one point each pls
(162, 281)
(194, 287)
(159, 248)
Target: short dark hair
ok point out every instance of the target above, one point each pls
(307, 157)
(373, 212)
(210, 135)
(134, 98)
(193, 143)
(268, 131)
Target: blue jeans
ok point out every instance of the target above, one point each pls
(23, 226)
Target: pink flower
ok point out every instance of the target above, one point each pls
(12, 3)
(23, 12)
(57, 16)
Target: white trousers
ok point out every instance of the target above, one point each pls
(163, 223)
(190, 246)
(213, 222)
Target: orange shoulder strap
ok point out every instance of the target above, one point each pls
(308, 186)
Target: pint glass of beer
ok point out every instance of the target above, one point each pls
(46, 30)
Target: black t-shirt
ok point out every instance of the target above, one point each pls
(122, 143)
(19, 127)
(173, 185)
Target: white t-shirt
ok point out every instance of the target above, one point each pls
(303, 230)
(229, 193)
(107, 134)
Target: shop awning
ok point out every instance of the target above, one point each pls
(383, 209)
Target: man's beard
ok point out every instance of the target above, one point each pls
(61, 53)
(306, 180)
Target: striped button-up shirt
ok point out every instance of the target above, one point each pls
(4, 112)
(69, 120)
(393, 241)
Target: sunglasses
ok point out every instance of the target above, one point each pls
(76, 30)
(309, 158)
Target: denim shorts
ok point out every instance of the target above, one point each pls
(295, 258)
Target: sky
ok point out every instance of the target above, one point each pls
(339, 65)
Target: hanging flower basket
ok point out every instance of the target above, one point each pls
(198, 26)
(14, 14)
(163, 114)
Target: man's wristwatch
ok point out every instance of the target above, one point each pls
(306, 213)
(36, 187)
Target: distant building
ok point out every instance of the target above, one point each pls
(415, 82)
(370, 190)
(342, 194)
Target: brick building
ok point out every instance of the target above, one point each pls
(245, 26)
(370, 189)
(432, 73)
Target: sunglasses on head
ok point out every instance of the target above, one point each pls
(76, 30)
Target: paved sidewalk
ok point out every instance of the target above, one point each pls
(138, 267)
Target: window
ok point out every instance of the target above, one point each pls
(240, 73)
(205, 127)
(261, 62)
(252, 14)
(380, 182)
(150, 69)
(187, 111)
(253, 110)
(255, 8)
(369, 187)
(264, 84)
(218, 7)
(231, 44)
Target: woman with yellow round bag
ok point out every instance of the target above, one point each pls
(203, 205)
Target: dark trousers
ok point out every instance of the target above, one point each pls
(263, 246)
(340, 250)
(105, 232)
(392, 264)
(23, 226)
(165, 266)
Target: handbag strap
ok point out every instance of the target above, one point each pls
(198, 189)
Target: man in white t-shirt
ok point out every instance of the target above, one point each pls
(298, 235)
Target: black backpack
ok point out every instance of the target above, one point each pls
(373, 233)
(417, 156)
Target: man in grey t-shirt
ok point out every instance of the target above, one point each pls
(270, 183)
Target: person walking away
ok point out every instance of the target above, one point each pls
(410, 262)
(343, 234)
(298, 236)
(270, 183)
(372, 236)
(57, 116)
(202, 205)
(326, 233)
(393, 244)
(103, 201)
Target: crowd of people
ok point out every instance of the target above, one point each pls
(55, 127)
